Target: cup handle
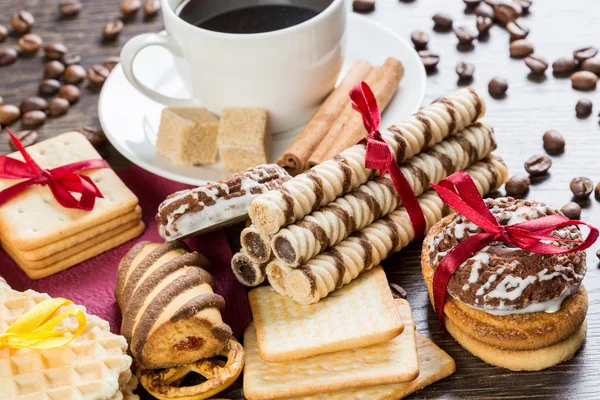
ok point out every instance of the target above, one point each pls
(131, 50)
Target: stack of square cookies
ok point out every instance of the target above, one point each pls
(359, 343)
(44, 237)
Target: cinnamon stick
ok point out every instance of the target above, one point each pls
(296, 156)
(348, 128)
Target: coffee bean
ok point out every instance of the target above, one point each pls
(564, 66)
(53, 70)
(592, 65)
(49, 87)
(517, 186)
(22, 21)
(363, 6)
(571, 210)
(3, 33)
(97, 75)
(521, 48)
(430, 60)
(538, 165)
(442, 22)
(27, 138)
(130, 7)
(70, 92)
(554, 143)
(95, 136)
(584, 53)
(581, 187)
(584, 80)
(485, 10)
(55, 51)
(583, 108)
(58, 106)
(69, 8)
(419, 39)
(597, 192)
(33, 119)
(112, 30)
(111, 62)
(465, 71)
(507, 11)
(75, 74)
(71, 58)
(464, 35)
(472, 3)
(8, 56)
(538, 65)
(9, 114)
(525, 5)
(397, 291)
(33, 104)
(484, 24)
(516, 30)
(30, 43)
(497, 87)
(151, 7)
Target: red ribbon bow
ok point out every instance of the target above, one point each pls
(379, 156)
(459, 192)
(63, 181)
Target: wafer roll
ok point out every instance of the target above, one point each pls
(247, 272)
(346, 171)
(367, 248)
(257, 245)
(301, 241)
(277, 273)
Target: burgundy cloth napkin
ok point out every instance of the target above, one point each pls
(92, 283)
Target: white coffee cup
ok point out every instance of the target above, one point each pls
(288, 71)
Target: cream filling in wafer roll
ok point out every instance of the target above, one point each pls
(368, 247)
(277, 274)
(301, 241)
(256, 244)
(247, 272)
(345, 172)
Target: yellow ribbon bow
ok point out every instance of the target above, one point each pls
(35, 329)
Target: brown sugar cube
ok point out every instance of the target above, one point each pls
(244, 138)
(188, 135)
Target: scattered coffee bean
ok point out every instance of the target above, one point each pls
(95, 136)
(27, 138)
(564, 66)
(464, 35)
(30, 43)
(571, 210)
(8, 56)
(497, 87)
(112, 30)
(33, 119)
(485, 10)
(419, 39)
(430, 60)
(9, 114)
(521, 48)
(69, 8)
(98, 74)
(151, 7)
(465, 71)
(592, 65)
(517, 186)
(70, 92)
(554, 143)
(583, 108)
(584, 53)
(22, 21)
(53, 70)
(507, 11)
(597, 192)
(71, 59)
(33, 104)
(484, 24)
(111, 62)
(3, 33)
(49, 87)
(442, 22)
(397, 291)
(363, 6)
(538, 65)
(130, 7)
(75, 74)
(584, 80)
(538, 165)
(581, 187)
(516, 30)
(525, 5)
(55, 51)
(58, 106)
(472, 3)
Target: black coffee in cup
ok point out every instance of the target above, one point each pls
(249, 16)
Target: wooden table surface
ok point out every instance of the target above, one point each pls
(531, 107)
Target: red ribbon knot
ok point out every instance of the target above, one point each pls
(63, 181)
(460, 193)
(379, 156)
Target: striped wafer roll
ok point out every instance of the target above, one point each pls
(277, 273)
(301, 241)
(367, 248)
(247, 272)
(256, 244)
(345, 172)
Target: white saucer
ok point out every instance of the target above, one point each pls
(131, 120)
